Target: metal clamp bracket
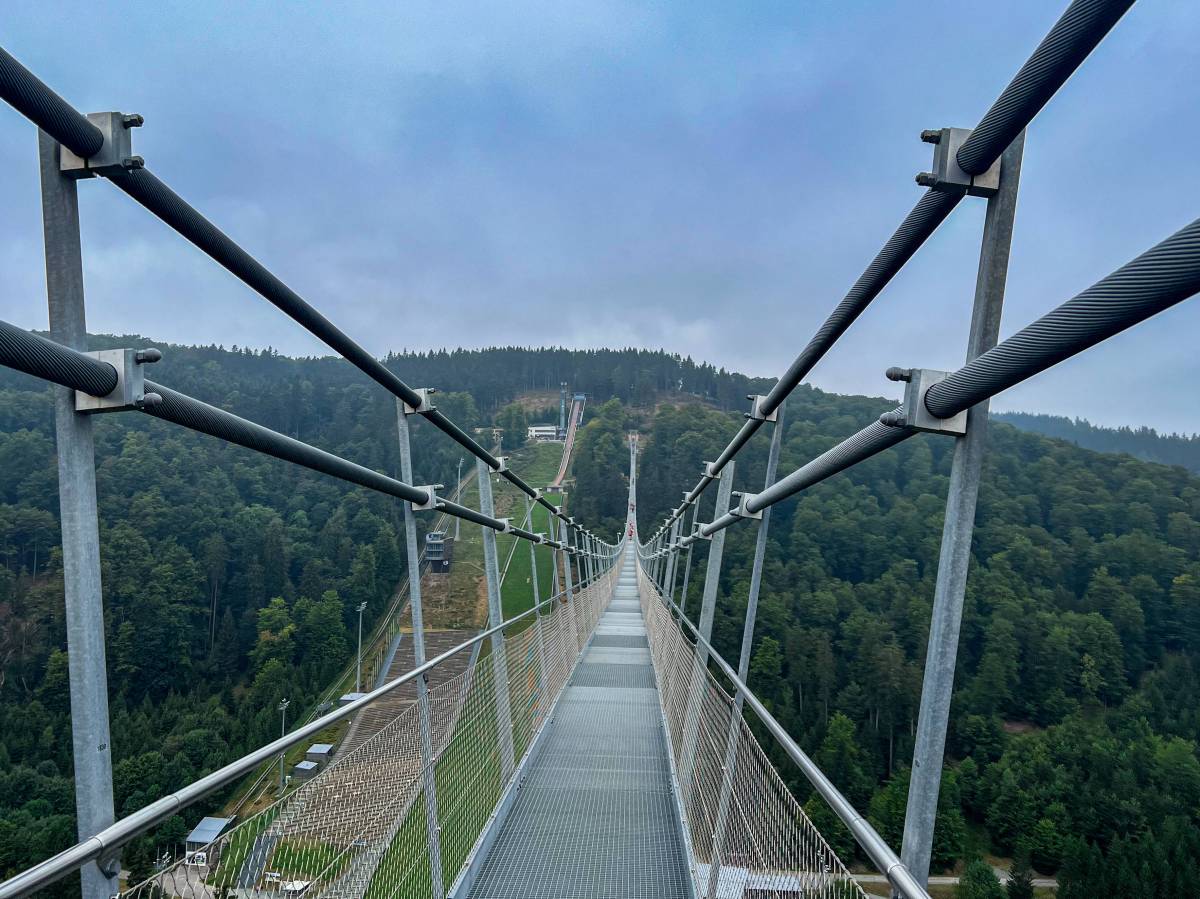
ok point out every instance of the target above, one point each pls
(741, 511)
(541, 538)
(710, 471)
(756, 413)
(915, 415)
(430, 504)
(115, 153)
(503, 466)
(130, 390)
(505, 525)
(424, 405)
(946, 175)
(698, 533)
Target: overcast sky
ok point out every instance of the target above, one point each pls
(705, 177)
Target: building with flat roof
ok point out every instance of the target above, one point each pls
(438, 551)
(320, 753)
(205, 832)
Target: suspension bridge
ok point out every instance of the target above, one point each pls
(595, 745)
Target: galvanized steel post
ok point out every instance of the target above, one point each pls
(566, 541)
(955, 556)
(712, 577)
(555, 555)
(429, 785)
(673, 567)
(83, 593)
(537, 603)
(687, 564)
(739, 698)
(496, 616)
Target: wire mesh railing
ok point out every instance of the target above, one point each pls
(358, 828)
(752, 839)
(364, 815)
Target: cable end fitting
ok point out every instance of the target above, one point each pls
(895, 373)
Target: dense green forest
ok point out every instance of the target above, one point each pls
(230, 579)
(1077, 705)
(1143, 443)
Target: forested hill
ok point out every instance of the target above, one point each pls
(1143, 443)
(230, 578)
(1077, 707)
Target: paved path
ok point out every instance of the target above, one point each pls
(939, 880)
(595, 817)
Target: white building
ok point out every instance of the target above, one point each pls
(543, 433)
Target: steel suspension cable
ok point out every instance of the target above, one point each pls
(1163, 276)
(1068, 43)
(54, 115)
(1076, 33)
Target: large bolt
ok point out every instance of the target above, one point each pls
(150, 354)
(931, 136)
(133, 120)
(895, 373)
(133, 162)
(892, 419)
(927, 179)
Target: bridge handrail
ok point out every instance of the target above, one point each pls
(102, 844)
(30, 353)
(30, 96)
(876, 848)
(1072, 38)
(1166, 274)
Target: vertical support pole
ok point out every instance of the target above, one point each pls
(84, 599)
(712, 577)
(491, 568)
(673, 563)
(555, 555)
(429, 785)
(358, 658)
(283, 706)
(739, 698)
(589, 566)
(537, 612)
(458, 493)
(959, 525)
(566, 541)
(687, 565)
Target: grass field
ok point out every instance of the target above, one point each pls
(537, 465)
(467, 772)
(468, 784)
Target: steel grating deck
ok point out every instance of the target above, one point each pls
(595, 817)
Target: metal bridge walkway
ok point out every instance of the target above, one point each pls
(595, 815)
